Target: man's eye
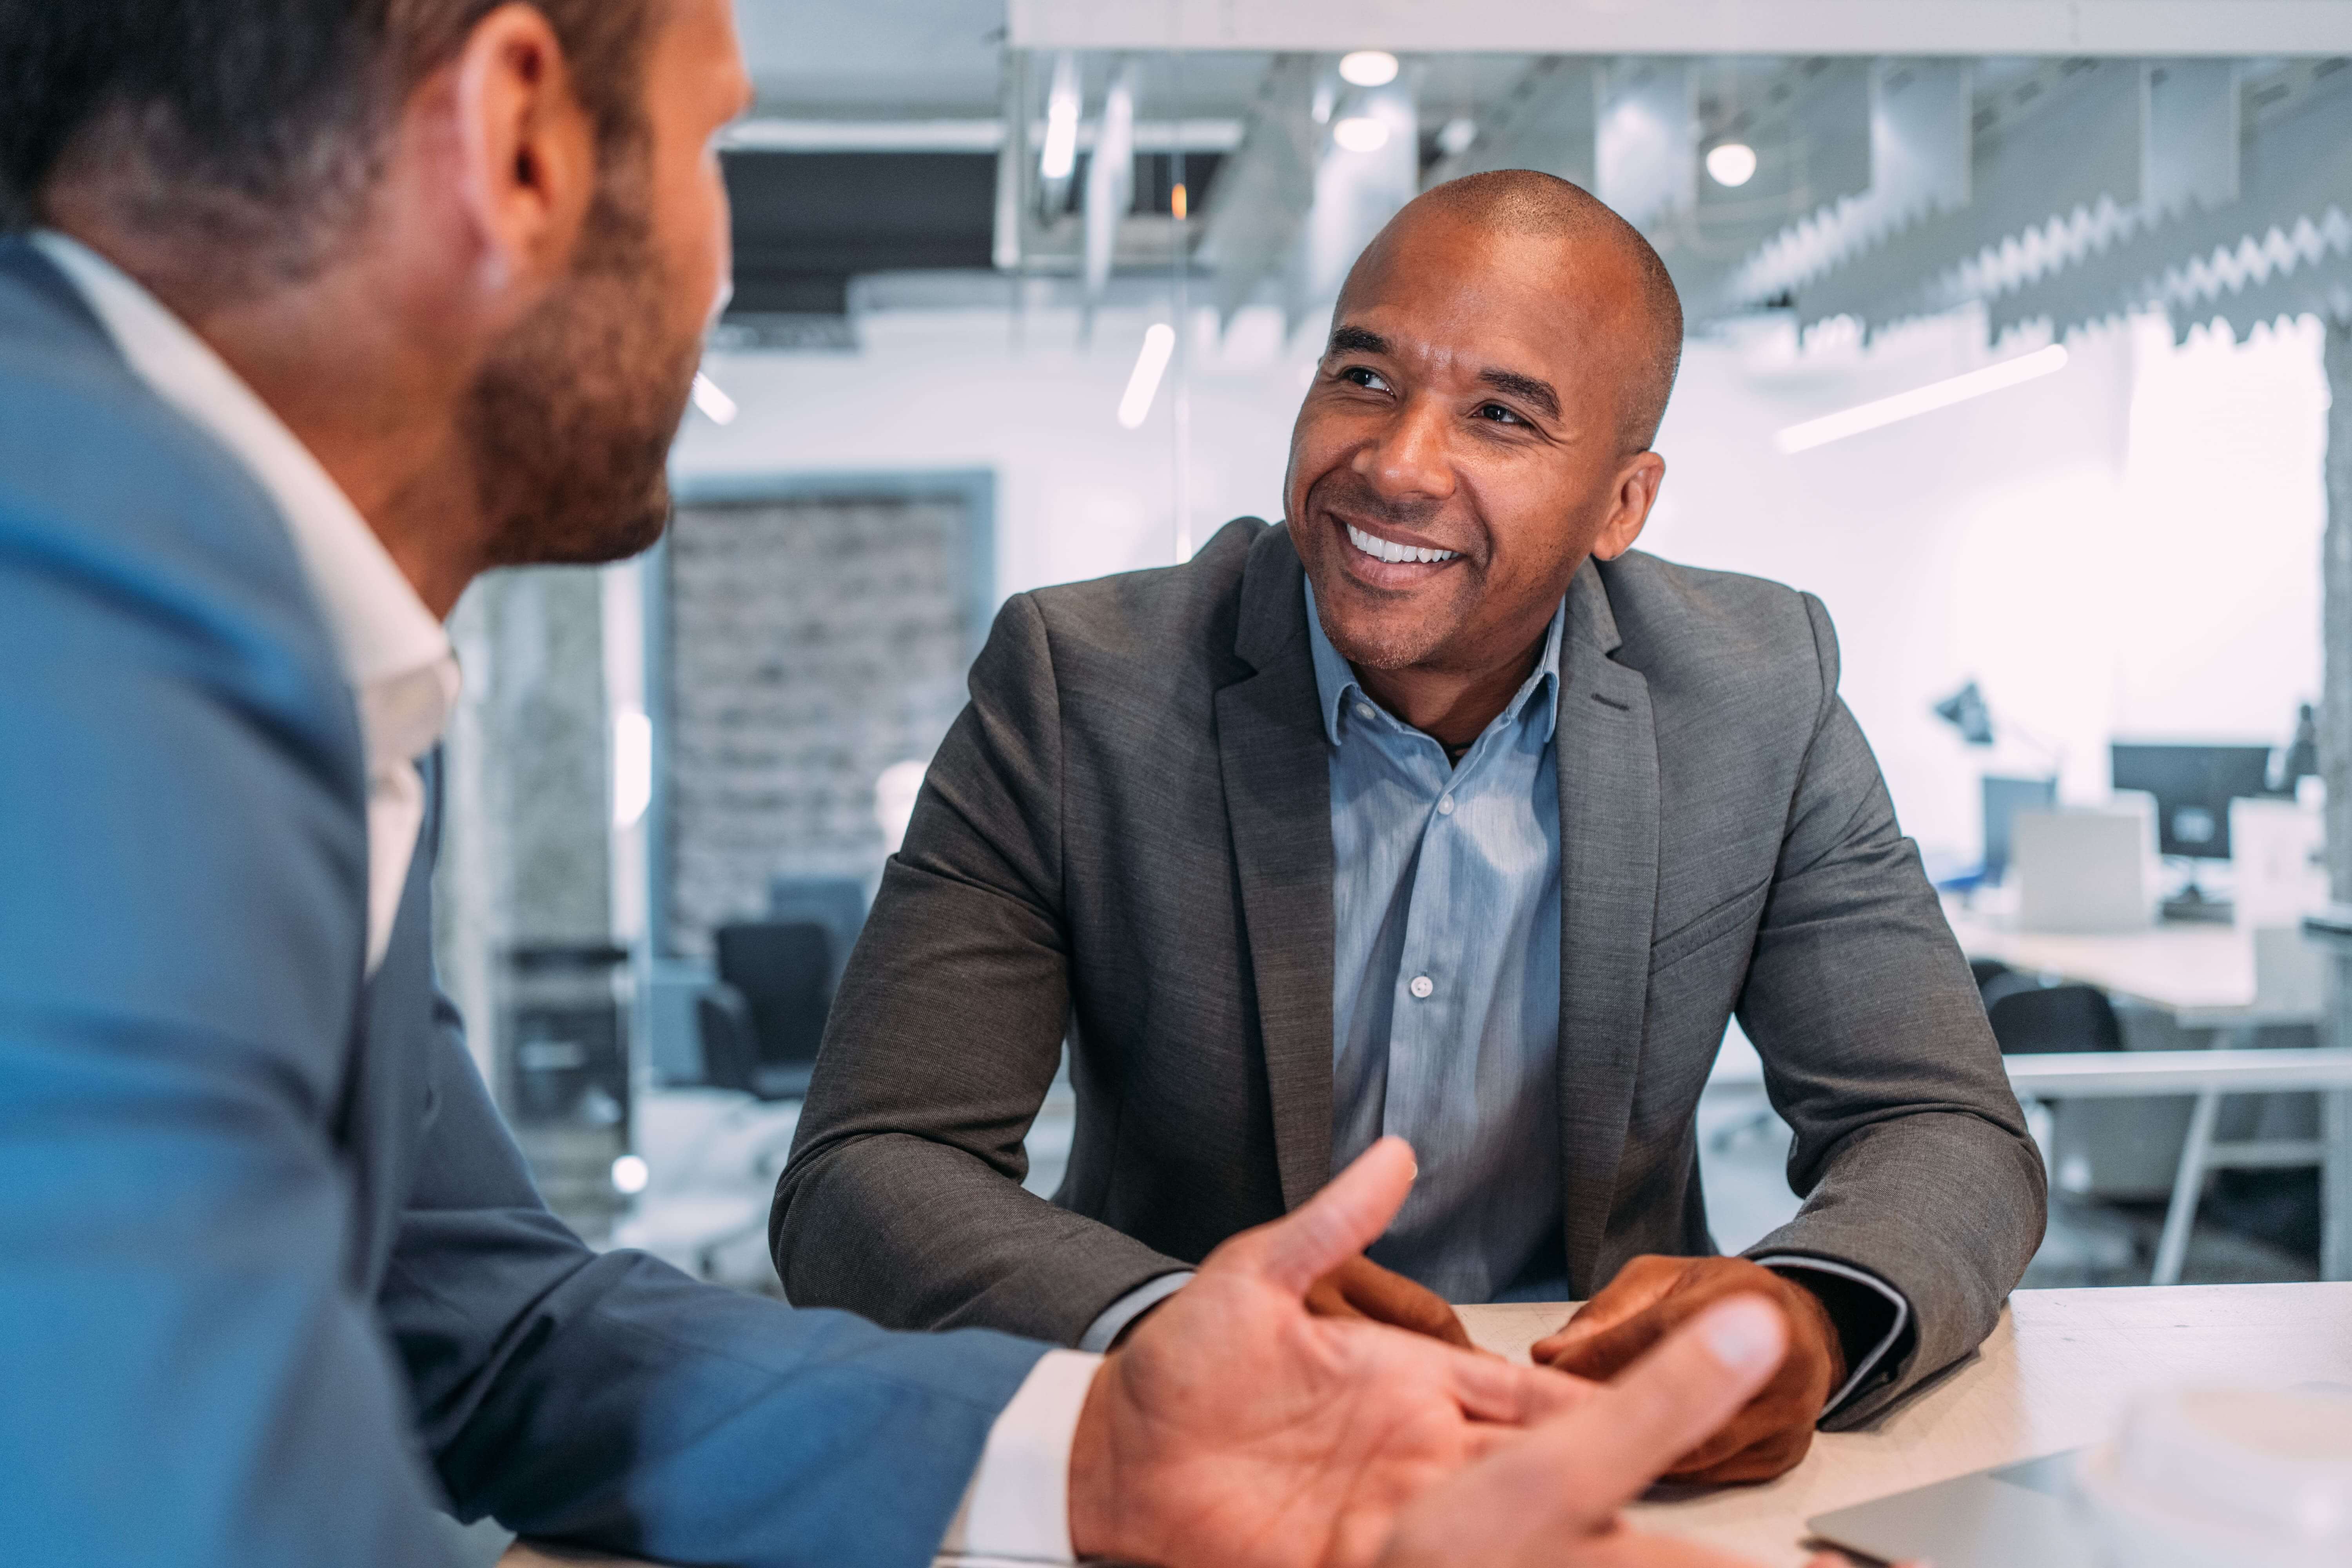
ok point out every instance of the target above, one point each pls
(1365, 377)
(1496, 414)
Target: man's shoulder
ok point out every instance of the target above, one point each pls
(1675, 616)
(98, 471)
(1164, 622)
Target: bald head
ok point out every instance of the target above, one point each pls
(1604, 265)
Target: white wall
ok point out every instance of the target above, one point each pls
(2128, 547)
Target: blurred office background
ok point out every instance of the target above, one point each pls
(2012, 332)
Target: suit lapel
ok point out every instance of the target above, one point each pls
(1609, 881)
(1277, 768)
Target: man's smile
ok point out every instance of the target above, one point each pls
(1384, 562)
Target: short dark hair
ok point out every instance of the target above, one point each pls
(1527, 201)
(255, 122)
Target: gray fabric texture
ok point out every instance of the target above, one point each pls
(1126, 839)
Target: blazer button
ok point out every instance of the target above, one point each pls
(1422, 987)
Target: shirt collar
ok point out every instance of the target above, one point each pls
(1334, 680)
(394, 652)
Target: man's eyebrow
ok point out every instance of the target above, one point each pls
(1538, 392)
(1357, 340)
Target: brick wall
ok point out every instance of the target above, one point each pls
(812, 642)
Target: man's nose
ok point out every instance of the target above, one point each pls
(1410, 460)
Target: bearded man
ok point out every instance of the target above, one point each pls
(328, 305)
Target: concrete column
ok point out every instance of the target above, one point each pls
(2336, 682)
(2335, 763)
(526, 838)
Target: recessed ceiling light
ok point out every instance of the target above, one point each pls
(1368, 68)
(1361, 134)
(1731, 163)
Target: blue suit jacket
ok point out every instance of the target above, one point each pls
(274, 1281)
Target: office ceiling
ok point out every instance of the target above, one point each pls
(2041, 187)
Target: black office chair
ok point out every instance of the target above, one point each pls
(1985, 970)
(2030, 1018)
(761, 1025)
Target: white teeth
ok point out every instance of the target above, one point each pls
(1388, 550)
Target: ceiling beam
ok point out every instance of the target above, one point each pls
(2116, 27)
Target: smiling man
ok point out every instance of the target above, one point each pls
(311, 311)
(1440, 811)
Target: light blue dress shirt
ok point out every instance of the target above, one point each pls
(1446, 977)
(1445, 1000)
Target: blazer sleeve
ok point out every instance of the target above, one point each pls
(187, 1375)
(610, 1402)
(902, 1200)
(1910, 1148)
(192, 1372)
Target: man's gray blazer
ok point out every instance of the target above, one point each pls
(1126, 839)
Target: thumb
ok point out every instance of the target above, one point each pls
(1348, 1216)
(1666, 1404)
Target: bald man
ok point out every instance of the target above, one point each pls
(1436, 810)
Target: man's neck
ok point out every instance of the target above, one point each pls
(1453, 708)
(376, 407)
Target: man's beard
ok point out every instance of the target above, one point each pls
(570, 421)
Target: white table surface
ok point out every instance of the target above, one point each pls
(2202, 974)
(2056, 1374)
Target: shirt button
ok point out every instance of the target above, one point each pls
(1422, 987)
(1363, 710)
(1444, 805)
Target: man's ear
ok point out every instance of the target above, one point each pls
(527, 151)
(1637, 493)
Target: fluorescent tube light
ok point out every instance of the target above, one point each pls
(1060, 153)
(632, 767)
(716, 405)
(1158, 342)
(1921, 400)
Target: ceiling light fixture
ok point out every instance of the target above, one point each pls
(715, 405)
(1361, 133)
(1368, 68)
(1731, 163)
(1921, 400)
(1456, 136)
(1158, 342)
(1060, 153)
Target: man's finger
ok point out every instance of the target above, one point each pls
(1348, 1216)
(1492, 1389)
(1668, 1404)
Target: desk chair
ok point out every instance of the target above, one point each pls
(2030, 1018)
(760, 1024)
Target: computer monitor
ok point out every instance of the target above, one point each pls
(2003, 799)
(2193, 787)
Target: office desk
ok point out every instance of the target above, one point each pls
(2056, 1374)
(2201, 974)
(2204, 977)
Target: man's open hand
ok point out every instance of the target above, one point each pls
(1652, 1296)
(1360, 1288)
(1548, 1498)
(1232, 1429)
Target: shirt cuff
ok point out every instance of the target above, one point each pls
(1104, 1331)
(1017, 1504)
(1898, 1319)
